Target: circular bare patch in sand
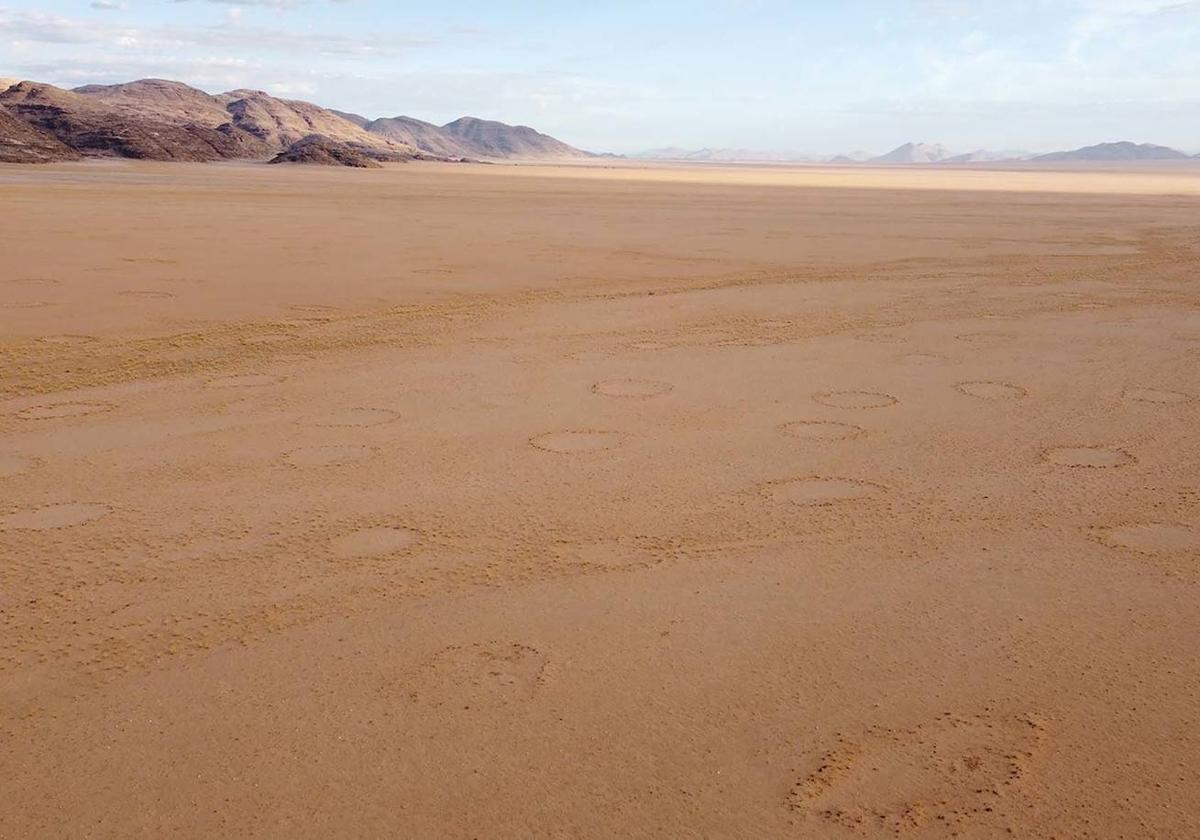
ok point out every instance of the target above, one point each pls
(68, 340)
(702, 336)
(632, 388)
(248, 380)
(49, 517)
(484, 675)
(313, 308)
(357, 418)
(882, 338)
(855, 399)
(32, 281)
(575, 442)
(150, 294)
(821, 430)
(822, 491)
(753, 341)
(328, 456)
(15, 464)
(66, 409)
(1087, 456)
(1156, 396)
(374, 542)
(986, 389)
(952, 777)
(1152, 537)
(269, 338)
(983, 337)
(614, 554)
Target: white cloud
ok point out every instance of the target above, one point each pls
(24, 27)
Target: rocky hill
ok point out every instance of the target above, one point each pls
(282, 122)
(469, 137)
(427, 137)
(499, 140)
(160, 100)
(95, 128)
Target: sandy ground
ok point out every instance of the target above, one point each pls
(492, 502)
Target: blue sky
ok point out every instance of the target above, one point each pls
(624, 76)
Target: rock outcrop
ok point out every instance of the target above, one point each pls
(316, 149)
(22, 143)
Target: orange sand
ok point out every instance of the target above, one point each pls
(452, 501)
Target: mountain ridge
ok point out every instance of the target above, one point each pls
(163, 119)
(497, 139)
(423, 135)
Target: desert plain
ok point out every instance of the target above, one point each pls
(466, 501)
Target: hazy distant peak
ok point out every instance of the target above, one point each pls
(1118, 151)
(915, 153)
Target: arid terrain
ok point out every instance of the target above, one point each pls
(464, 501)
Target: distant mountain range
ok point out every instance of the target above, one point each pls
(927, 153)
(157, 119)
